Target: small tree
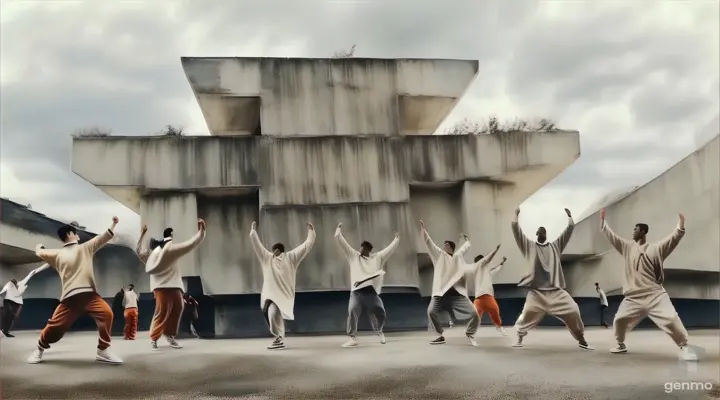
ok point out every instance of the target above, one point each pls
(171, 130)
(493, 126)
(93, 131)
(345, 53)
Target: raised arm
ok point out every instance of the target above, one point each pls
(261, 252)
(524, 244)
(180, 249)
(296, 255)
(490, 256)
(5, 288)
(620, 244)
(47, 255)
(385, 253)
(433, 250)
(494, 270)
(141, 249)
(99, 241)
(465, 246)
(667, 245)
(32, 273)
(345, 247)
(565, 236)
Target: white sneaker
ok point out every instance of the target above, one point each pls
(688, 354)
(472, 340)
(36, 356)
(518, 343)
(620, 349)
(501, 331)
(173, 343)
(108, 356)
(382, 338)
(350, 343)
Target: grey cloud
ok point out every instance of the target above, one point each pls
(666, 104)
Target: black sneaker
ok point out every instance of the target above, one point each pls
(153, 345)
(585, 346)
(276, 344)
(438, 340)
(8, 334)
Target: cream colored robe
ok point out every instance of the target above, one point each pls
(449, 269)
(365, 271)
(279, 273)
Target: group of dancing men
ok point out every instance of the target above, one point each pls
(643, 290)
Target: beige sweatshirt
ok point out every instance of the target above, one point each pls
(279, 273)
(482, 274)
(142, 250)
(545, 267)
(449, 269)
(644, 272)
(162, 263)
(130, 299)
(74, 264)
(365, 271)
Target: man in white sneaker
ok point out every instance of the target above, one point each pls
(603, 305)
(643, 289)
(74, 264)
(366, 279)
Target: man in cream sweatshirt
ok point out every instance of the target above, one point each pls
(130, 312)
(643, 288)
(366, 279)
(74, 264)
(546, 283)
(167, 285)
(277, 298)
(449, 290)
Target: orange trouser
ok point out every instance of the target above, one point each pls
(487, 303)
(70, 310)
(168, 310)
(131, 323)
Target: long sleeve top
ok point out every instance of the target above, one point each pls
(544, 258)
(365, 271)
(130, 299)
(449, 269)
(644, 270)
(279, 273)
(482, 274)
(74, 264)
(162, 263)
(15, 293)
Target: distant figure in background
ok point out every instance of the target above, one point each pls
(546, 282)
(603, 305)
(13, 301)
(277, 298)
(449, 291)
(644, 293)
(484, 293)
(167, 285)
(366, 279)
(130, 302)
(74, 264)
(191, 315)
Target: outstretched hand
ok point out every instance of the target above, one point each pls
(201, 224)
(503, 260)
(498, 247)
(143, 229)
(464, 236)
(115, 220)
(602, 214)
(569, 214)
(397, 234)
(252, 227)
(422, 225)
(682, 220)
(310, 227)
(517, 211)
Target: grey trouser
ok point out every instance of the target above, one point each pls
(274, 319)
(460, 309)
(556, 302)
(369, 301)
(658, 307)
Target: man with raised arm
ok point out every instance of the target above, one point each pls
(74, 264)
(277, 298)
(13, 300)
(643, 288)
(366, 279)
(485, 301)
(167, 285)
(546, 283)
(449, 290)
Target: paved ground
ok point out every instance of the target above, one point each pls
(549, 367)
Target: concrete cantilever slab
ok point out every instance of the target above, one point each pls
(693, 269)
(301, 96)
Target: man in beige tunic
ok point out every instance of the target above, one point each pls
(643, 289)
(546, 282)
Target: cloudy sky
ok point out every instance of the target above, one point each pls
(639, 79)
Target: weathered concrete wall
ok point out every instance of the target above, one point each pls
(299, 97)
(691, 186)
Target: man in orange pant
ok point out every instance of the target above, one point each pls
(484, 294)
(130, 302)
